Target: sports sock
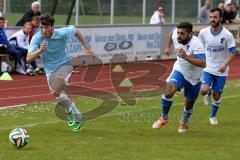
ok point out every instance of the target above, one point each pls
(166, 105)
(78, 114)
(215, 106)
(209, 92)
(65, 102)
(69, 106)
(186, 115)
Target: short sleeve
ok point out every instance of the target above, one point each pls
(231, 44)
(35, 43)
(199, 51)
(70, 31)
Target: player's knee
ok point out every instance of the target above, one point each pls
(167, 95)
(55, 94)
(216, 96)
(204, 90)
(170, 90)
(189, 104)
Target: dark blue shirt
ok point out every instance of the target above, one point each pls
(3, 38)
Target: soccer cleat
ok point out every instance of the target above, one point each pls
(70, 123)
(207, 99)
(70, 120)
(38, 71)
(30, 72)
(159, 123)
(79, 125)
(20, 70)
(213, 121)
(182, 127)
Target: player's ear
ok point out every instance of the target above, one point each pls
(190, 33)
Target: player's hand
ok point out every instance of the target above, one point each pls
(89, 51)
(181, 53)
(222, 68)
(167, 51)
(43, 47)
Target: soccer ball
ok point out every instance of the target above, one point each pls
(19, 137)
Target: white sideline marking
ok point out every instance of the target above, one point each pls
(37, 95)
(6, 107)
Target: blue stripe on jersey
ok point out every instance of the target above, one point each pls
(200, 56)
(233, 50)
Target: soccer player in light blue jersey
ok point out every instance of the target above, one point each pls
(220, 49)
(186, 73)
(50, 44)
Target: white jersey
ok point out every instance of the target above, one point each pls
(190, 72)
(217, 47)
(157, 18)
(20, 39)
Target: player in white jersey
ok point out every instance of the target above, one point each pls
(185, 74)
(218, 41)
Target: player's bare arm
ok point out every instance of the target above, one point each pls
(33, 55)
(223, 67)
(84, 43)
(169, 44)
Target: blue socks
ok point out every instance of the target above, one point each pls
(166, 105)
(186, 115)
(209, 92)
(215, 106)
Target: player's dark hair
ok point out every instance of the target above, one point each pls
(47, 19)
(2, 18)
(158, 6)
(217, 10)
(185, 25)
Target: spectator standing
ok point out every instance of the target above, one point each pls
(34, 11)
(35, 27)
(203, 16)
(158, 16)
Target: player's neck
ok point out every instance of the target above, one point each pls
(216, 29)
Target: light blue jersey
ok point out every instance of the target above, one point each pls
(55, 54)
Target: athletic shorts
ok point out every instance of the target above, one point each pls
(215, 82)
(190, 91)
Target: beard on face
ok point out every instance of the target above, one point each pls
(214, 24)
(181, 41)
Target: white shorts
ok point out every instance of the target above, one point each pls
(64, 72)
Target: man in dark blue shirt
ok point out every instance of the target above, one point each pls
(34, 11)
(6, 48)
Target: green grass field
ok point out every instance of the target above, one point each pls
(83, 20)
(126, 133)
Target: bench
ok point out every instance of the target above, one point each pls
(5, 57)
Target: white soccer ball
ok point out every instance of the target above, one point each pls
(19, 137)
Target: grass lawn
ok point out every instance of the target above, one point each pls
(126, 133)
(61, 19)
